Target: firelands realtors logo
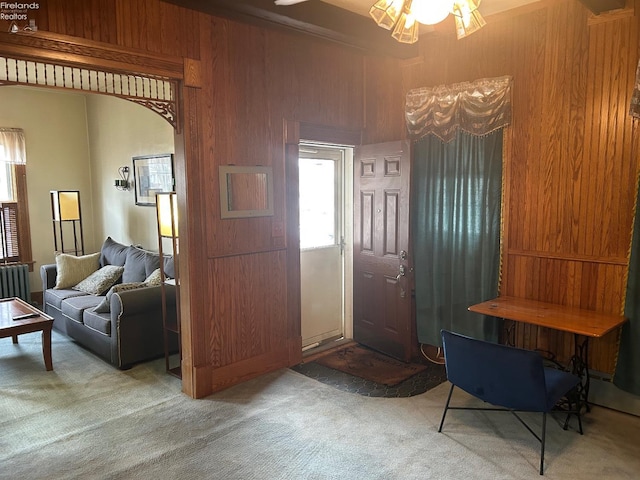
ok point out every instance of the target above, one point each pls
(16, 12)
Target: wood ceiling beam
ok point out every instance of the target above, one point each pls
(312, 18)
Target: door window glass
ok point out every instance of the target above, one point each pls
(317, 203)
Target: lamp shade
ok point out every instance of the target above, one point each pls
(65, 205)
(386, 12)
(467, 17)
(406, 30)
(167, 208)
(430, 12)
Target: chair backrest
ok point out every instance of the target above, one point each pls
(505, 376)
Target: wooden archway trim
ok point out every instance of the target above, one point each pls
(147, 79)
(80, 52)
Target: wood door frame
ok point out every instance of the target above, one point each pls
(78, 52)
(294, 132)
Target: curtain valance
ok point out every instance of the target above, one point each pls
(479, 108)
(12, 143)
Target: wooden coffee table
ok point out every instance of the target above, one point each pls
(18, 317)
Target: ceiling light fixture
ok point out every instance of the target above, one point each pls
(403, 16)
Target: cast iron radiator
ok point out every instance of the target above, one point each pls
(14, 282)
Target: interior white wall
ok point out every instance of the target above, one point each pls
(119, 130)
(57, 159)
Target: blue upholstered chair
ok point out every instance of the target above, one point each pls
(511, 378)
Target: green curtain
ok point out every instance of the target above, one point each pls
(456, 206)
(627, 374)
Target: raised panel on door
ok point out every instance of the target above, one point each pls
(367, 202)
(390, 228)
(392, 324)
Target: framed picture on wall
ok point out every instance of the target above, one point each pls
(152, 174)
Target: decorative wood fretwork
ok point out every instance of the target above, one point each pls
(65, 50)
(156, 93)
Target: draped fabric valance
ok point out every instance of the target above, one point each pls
(479, 108)
(12, 144)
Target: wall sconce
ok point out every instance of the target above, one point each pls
(65, 210)
(123, 183)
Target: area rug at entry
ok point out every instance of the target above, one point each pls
(365, 363)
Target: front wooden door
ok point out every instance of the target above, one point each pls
(382, 269)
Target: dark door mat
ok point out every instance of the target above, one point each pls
(371, 365)
(428, 377)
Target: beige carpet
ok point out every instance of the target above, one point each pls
(87, 420)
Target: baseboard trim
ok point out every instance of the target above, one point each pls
(604, 393)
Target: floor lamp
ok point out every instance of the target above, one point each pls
(65, 210)
(167, 213)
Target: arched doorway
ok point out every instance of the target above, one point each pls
(155, 82)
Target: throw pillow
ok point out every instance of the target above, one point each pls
(151, 262)
(105, 305)
(169, 266)
(100, 281)
(71, 270)
(113, 253)
(154, 280)
(134, 267)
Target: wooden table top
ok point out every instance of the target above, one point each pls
(14, 307)
(550, 315)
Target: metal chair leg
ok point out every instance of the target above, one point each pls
(544, 433)
(446, 407)
(580, 421)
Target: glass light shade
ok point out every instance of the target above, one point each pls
(464, 7)
(167, 208)
(66, 205)
(467, 17)
(430, 12)
(386, 12)
(406, 30)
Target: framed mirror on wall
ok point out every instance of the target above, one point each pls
(246, 191)
(152, 174)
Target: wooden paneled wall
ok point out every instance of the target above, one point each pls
(571, 158)
(238, 319)
(259, 79)
(570, 165)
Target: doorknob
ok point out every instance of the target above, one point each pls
(402, 273)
